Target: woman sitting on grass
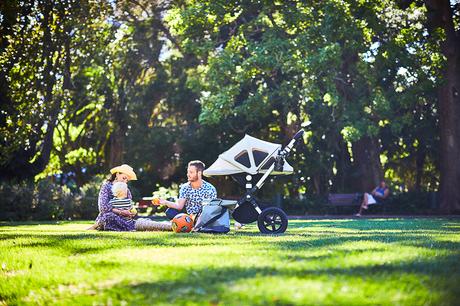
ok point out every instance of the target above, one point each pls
(112, 218)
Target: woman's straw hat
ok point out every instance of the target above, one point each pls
(125, 169)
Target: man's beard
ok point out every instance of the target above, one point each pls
(193, 179)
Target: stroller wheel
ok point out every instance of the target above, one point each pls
(272, 220)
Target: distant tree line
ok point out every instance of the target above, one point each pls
(86, 85)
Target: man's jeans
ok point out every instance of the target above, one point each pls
(172, 212)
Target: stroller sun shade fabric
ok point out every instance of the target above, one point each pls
(249, 155)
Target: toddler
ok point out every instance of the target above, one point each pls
(121, 200)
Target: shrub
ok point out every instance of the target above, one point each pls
(401, 203)
(16, 200)
(412, 203)
(85, 202)
(46, 200)
(307, 204)
(49, 200)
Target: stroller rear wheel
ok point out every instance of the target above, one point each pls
(272, 220)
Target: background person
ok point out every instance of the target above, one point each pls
(377, 195)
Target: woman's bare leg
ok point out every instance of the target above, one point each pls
(93, 227)
(366, 200)
(144, 224)
(363, 203)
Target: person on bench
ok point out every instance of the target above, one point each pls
(377, 196)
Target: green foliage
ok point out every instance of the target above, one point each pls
(16, 201)
(401, 203)
(308, 205)
(350, 68)
(89, 85)
(413, 203)
(46, 200)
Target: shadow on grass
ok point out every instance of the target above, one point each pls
(46, 222)
(412, 224)
(441, 274)
(86, 244)
(391, 239)
(96, 242)
(78, 242)
(211, 285)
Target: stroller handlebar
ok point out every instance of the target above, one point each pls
(279, 159)
(283, 153)
(299, 134)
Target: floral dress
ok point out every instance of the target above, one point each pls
(108, 220)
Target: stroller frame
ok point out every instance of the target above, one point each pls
(270, 220)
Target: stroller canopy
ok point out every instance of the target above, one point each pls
(249, 155)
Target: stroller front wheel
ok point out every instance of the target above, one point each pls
(272, 220)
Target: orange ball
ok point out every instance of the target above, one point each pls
(182, 223)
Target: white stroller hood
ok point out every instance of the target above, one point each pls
(250, 155)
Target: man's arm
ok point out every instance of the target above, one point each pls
(373, 192)
(176, 205)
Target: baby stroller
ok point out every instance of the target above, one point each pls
(249, 162)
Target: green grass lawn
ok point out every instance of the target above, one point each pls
(373, 261)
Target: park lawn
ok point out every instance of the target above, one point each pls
(320, 262)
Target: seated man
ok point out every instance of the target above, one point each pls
(192, 193)
(377, 196)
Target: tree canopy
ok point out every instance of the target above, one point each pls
(86, 85)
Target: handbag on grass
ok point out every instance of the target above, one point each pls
(214, 218)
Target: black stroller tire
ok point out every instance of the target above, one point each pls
(272, 220)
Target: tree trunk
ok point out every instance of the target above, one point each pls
(116, 147)
(366, 158)
(440, 15)
(49, 81)
(117, 138)
(419, 164)
(366, 151)
(343, 180)
(317, 184)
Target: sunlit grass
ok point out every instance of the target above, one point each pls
(374, 261)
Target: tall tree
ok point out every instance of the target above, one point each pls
(444, 15)
(339, 65)
(44, 48)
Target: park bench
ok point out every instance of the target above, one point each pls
(339, 200)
